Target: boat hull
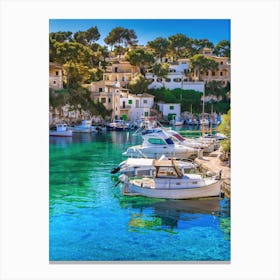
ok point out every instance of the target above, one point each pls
(157, 152)
(61, 134)
(210, 190)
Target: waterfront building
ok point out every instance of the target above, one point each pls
(178, 77)
(108, 94)
(135, 106)
(170, 111)
(122, 72)
(55, 76)
(222, 74)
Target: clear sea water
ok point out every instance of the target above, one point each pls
(91, 221)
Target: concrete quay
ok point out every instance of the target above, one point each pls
(213, 164)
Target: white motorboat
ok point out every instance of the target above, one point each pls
(170, 182)
(157, 143)
(176, 122)
(145, 166)
(206, 146)
(85, 127)
(61, 130)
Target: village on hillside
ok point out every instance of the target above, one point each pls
(130, 82)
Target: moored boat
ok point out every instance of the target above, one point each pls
(157, 143)
(61, 130)
(85, 127)
(170, 182)
(145, 166)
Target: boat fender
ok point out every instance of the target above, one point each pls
(115, 170)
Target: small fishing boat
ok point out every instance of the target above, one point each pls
(61, 130)
(145, 166)
(170, 182)
(85, 127)
(119, 125)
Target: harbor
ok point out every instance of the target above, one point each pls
(88, 213)
(139, 147)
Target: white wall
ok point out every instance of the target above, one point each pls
(165, 109)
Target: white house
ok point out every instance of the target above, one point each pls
(135, 106)
(177, 78)
(169, 110)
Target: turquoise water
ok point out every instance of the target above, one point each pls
(91, 221)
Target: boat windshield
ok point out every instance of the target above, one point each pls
(166, 172)
(169, 141)
(179, 137)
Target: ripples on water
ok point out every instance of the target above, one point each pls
(91, 221)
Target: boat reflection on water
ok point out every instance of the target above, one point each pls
(60, 141)
(173, 215)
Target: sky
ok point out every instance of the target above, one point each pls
(146, 30)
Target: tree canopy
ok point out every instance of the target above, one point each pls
(138, 84)
(160, 46)
(203, 64)
(222, 48)
(121, 36)
(140, 58)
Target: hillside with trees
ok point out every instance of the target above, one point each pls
(84, 61)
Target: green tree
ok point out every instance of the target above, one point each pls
(87, 37)
(222, 49)
(61, 36)
(203, 43)
(161, 70)
(202, 64)
(140, 58)
(76, 73)
(225, 128)
(138, 84)
(159, 46)
(179, 43)
(215, 88)
(121, 36)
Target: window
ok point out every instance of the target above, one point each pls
(221, 62)
(129, 101)
(145, 101)
(100, 89)
(103, 100)
(146, 114)
(167, 80)
(169, 141)
(213, 73)
(171, 107)
(109, 100)
(156, 141)
(159, 80)
(177, 80)
(54, 82)
(221, 73)
(206, 73)
(56, 73)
